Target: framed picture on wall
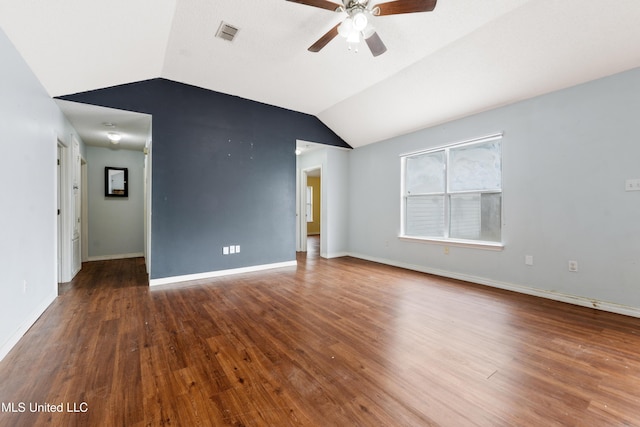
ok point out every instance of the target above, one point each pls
(116, 182)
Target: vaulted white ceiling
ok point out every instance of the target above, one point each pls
(464, 57)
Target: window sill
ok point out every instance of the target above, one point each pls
(491, 246)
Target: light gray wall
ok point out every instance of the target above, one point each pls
(566, 157)
(337, 201)
(334, 199)
(30, 125)
(116, 224)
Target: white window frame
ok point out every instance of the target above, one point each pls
(446, 240)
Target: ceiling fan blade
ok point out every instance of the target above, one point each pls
(403, 6)
(322, 4)
(376, 46)
(322, 41)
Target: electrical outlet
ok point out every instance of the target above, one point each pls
(528, 259)
(225, 250)
(446, 250)
(573, 266)
(232, 249)
(24, 286)
(237, 249)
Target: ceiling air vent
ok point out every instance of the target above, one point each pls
(226, 31)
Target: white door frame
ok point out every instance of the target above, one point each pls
(147, 203)
(76, 207)
(84, 215)
(301, 207)
(65, 217)
(59, 211)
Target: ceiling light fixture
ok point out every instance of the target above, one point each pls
(360, 21)
(356, 26)
(298, 151)
(114, 137)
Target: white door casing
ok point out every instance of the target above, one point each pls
(77, 212)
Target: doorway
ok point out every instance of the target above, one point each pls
(68, 223)
(310, 217)
(59, 187)
(84, 214)
(313, 210)
(95, 230)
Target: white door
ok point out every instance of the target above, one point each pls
(59, 220)
(76, 258)
(84, 212)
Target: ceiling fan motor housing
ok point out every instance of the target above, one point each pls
(354, 6)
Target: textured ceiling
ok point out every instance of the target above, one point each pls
(464, 57)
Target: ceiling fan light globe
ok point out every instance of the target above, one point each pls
(345, 28)
(360, 21)
(354, 37)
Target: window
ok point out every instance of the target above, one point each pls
(454, 193)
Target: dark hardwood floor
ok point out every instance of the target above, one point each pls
(339, 342)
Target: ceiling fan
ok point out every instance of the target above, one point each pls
(357, 24)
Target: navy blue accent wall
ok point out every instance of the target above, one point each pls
(223, 174)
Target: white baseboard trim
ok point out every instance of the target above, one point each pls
(556, 296)
(28, 323)
(115, 256)
(220, 273)
(337, 255)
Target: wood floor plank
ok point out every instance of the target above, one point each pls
(328, 343)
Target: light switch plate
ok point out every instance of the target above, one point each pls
(632, 185)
